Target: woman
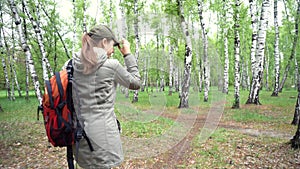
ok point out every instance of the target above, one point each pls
(96, 77)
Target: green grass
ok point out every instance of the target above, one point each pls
(154, 115)
(224, 148)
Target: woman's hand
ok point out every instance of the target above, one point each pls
(124, 47)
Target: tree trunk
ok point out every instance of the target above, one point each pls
(13, 58)
(226, 58)
(297, 113)
(296, 139)
(226, 66)
(184, 99)
(84, 17)
(7, 82)
(259, 55)
(74, 28)
(171, 69)
(205, 55)
(236, 103)
(292, 52)
(12, 77)
(296, 74)
(123, 35)
(137, 42)
(276, 51)
(254, 24)
(26, 50)
(176, 79)
(39, 38)
(111, 14)
(267, 61)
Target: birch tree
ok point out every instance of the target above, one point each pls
(292, 55)
(276, 51)
(254, 24)
(226, 58)
(74, 28)
(84, 17)
(205, 55)
(295, 141)
(39, 38)
(184, 102)
(26, 50)
(137, 42)
(236, 103)
(171, 68)
(13, 59)
(10, 61)
(297, 107)
(7, 81)
(259, 55)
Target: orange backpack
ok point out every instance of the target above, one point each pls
(59, 113)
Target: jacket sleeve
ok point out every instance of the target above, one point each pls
(129, 78)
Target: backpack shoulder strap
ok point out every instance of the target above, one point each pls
(49, 91)
(59, 85)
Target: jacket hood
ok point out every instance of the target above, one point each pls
(101, 58)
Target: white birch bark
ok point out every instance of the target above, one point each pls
(254, 21)
(137, 42)
(267, 62)
(7, 82)
(74, 28)
(226, 65)
(51, 72)
(187, 61)
(145, 65)
(13, 66)
(13, 59)
(12, 78)
(170, 68)
(39, 38)
(176, 83)
(259, 54)
(111, 14)
(84, 17)
(26, 50)
(123, 35)
(276, 51)
(2, 53)
(226, 57)
(205, 55)
(236, 103)
(201, 77)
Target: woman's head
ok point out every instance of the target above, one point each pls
(99, 36)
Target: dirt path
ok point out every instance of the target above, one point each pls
(177, 155)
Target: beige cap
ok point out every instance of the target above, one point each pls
(102, 31)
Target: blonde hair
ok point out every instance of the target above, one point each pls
(88, 56)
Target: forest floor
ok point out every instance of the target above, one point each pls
(234, 143)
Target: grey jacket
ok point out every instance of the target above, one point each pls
(95, 94)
